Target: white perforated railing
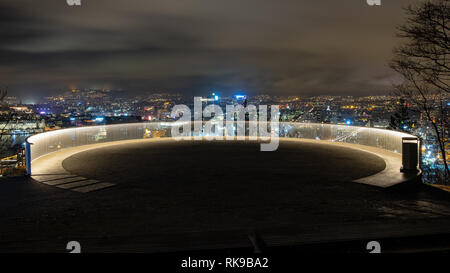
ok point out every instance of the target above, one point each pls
(49, 142)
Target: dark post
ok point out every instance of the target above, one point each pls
(28, 157)
(410, 154)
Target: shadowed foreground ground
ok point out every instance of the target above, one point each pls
(188, 195)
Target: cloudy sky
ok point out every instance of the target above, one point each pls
(302, 47)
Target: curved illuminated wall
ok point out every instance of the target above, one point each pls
(45, 143)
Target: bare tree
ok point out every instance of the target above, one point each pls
(3, 129)
(423, 62)
(3, 93)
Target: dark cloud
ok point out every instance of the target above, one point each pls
(17, 27)
(299, 47)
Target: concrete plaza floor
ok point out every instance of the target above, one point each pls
(196, 195)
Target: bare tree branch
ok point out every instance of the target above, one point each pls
(422, 61)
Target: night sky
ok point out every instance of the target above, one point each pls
(298, 47)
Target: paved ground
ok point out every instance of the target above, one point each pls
(222, 167)
(195, 195)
